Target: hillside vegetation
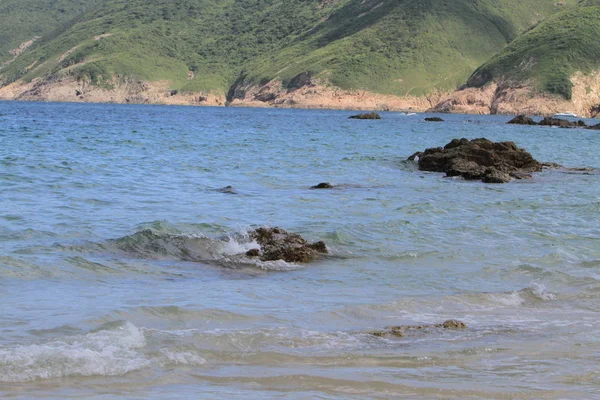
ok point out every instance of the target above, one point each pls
(22, 20)
(399, 47)
(547, 55)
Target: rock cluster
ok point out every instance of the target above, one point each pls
(547, 121)
(372, 115)
(522, 120)
(402, 330)
(479, 159)
(595, 127)
(323, 185)
(562, 123)
(277, 244)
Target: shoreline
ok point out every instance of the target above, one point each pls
(470, 101)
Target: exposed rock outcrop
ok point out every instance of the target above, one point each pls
(278, 244)
(547, 121)
(562, 123)
(522, 120)
(122, 90)
(323, 185)
(506, 97)
(479, 159)
(595, 127)
(403, 330)
(372, 115)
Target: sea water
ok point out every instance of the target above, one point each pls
(120, 274)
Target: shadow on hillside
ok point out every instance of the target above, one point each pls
(358, 15)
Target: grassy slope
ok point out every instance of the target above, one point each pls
(21, 20)
(549, 53)
(404, 47)
(387, 46)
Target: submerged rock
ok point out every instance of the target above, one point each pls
(323, 185)
(479, 159)
(227, 189)
(522, 120)
(453, 324)
(434, 119)
(595, 127)
(253, 253)
(372, 115)
(278, 244)
(562, 123)
(403, 330)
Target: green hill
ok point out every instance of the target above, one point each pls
(548, 54)
(399, 47)
(22, 20)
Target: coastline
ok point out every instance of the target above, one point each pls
(493, 99)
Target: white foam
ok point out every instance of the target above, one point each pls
(541, 292)
(507, 299)
(110, 351)
(231, 246)
(181, 357)
(277, 265)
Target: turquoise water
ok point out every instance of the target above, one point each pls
(120, 273)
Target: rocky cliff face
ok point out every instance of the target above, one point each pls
(122, 91)
(507, 98)
(305, 91)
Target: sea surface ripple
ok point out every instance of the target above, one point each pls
(121, 275)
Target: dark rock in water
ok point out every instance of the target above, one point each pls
(372, 115)
(454, 324)
(319, 247)
(434, 119)
(403, 330)
(227, 189)
(277, 244)
(595, 127)
(492, 175)
(253, 253)
(323, 185)
(551, 165)
(478, 159)
(562, 123)
(520, 175)
(522, 120)
(415, 156)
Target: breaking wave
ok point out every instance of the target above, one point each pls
(115, 348)
(228, 250)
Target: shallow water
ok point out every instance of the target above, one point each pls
(120, 273)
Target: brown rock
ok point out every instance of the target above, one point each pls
(551, 165)
(403, 330)
(522, 120)
(253, 253)
(454, 324)
(372, 115)
(562, 123)
(492, 175)
(277, 244)
(482, 159)
(520, 175)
